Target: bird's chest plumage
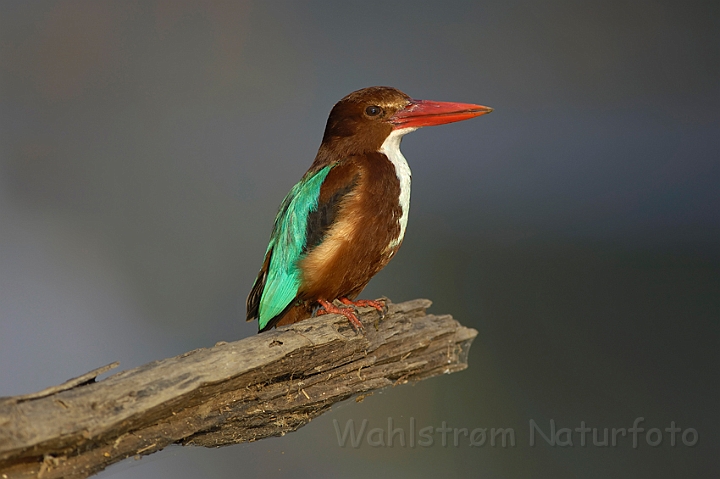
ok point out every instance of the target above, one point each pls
(369, 228)
(391, 149)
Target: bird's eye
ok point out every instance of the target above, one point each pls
(373, 110)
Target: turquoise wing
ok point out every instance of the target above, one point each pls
(278, 283)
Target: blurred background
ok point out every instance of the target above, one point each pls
(146, 145)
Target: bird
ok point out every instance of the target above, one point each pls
(346, 218)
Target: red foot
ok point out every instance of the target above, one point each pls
(347, 312)
(364, 303)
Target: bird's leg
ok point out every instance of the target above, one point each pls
(364, 303)
(328, 307)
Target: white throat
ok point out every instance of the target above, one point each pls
(391, 149)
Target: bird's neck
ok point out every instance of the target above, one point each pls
(391, 149)
(334, 149)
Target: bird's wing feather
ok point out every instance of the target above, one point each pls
(253, 299)
(307, 212)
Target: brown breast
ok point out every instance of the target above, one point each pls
(357, 245)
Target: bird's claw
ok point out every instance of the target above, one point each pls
(349, 313)
(380, 305)
(384, 308)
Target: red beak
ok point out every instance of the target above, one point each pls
(429, 113)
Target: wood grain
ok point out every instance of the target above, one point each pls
(265, 385)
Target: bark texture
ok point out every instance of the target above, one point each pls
(266, 385)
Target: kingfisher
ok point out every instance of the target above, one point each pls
(346, 218)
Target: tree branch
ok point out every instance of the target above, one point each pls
(265, 385)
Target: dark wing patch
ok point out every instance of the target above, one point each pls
(321, 219)
(253, 300)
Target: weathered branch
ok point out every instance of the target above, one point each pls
(266, 385)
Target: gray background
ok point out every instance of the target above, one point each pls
(146, 146)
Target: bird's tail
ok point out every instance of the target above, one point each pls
(293, 314)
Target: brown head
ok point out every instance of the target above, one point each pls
(363, 120)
